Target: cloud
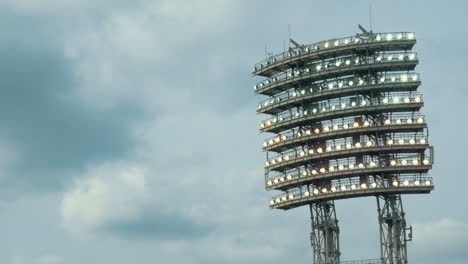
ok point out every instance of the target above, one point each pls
(445, 239)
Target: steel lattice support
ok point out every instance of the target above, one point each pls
(392, 230)
(325, 233)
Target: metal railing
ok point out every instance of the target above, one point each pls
(343, 84)
(292, 135)
(365, 145)
(349, 185)
(333, 44)
(364, 261)
(335, 63)
(348, 167)
(340, 104)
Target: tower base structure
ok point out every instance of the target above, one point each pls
(325, 233)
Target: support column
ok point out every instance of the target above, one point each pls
(392, 225)
(325, 233)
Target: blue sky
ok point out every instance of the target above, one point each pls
(128, 131)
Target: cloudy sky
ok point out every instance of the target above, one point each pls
(128, 131)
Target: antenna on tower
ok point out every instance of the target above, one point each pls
(370, 16)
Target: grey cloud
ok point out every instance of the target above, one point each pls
(159, 226)
(54, 133)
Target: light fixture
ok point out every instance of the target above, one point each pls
(401, 141)
(307, 194)
(358, 144)
(428, 182)
(409, 121)
(361, 166)
(314, 172)
(277, 200)
(369, 143)
(355, 124)
(415, 162)
(338, 147)
(401, 57)
(390, 58)
(422, 141)
(406, 183)
(335, 127)
(280, 159)
(330, 86)
(304, 173)
(389, 37)
(396, 100)
(331, 169)
(378, 38)
(340, 84)
(404, 162)
(426, 162)
(407, 100)
(326, 44)
(400, 36)
(404, 78)
(311, 152)
(262, 125)
(348, 146)
(284, 198)
(353, 187)
(373, 164)
(345, 126)
(379, 58)
(291, 196)
(398, 121)
(417, 182)
(308, 132)
(347, 62)
(329, 148)
(275, 181)
(417, 99)
(302, 153)
(319, 150)
(317, 131)
(273, 161)
(363, 186)
(390, 142)
(350, 83)
(414, 78)
(374, 185)
(351, 166)
(270, 183)
(314, 110)
(361, 81)
(388, 122)
(395, 183)
(318, 67)
(420, 120)
(272, 202)
(282, 179)
(353, 104)
(341, 167)
(393, 162)
(289, 177)
(363, 102)
(326, 129)
(324, 190)
(265, 144)
(412, 141)
(343, 106)
(412, 56)
(322, 170)
(410, 35)
(284, 137)
(316, 191)
(338, 63)
(333, 189)
(267, 164)
(277, 139)
(343, 187)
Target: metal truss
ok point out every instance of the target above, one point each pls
(393, 230)
(325, 233)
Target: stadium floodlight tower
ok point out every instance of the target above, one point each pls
(345, 117)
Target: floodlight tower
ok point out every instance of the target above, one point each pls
(345, 117)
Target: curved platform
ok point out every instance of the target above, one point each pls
(335, 47)
(291, 181)
(402, 185)
(296, 99)
(282, 123)
(290, 161)
(332, 71)
(281, 144)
